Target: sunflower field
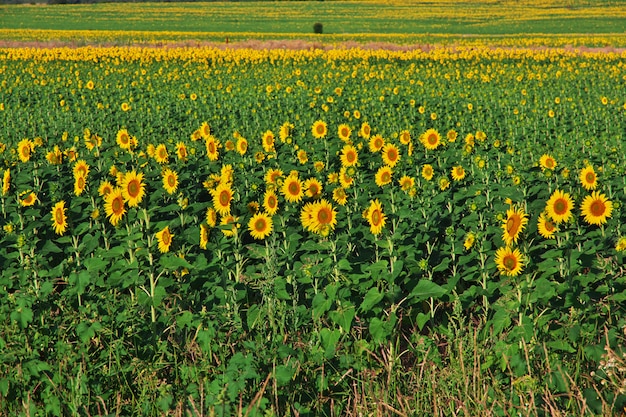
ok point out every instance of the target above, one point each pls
(202, 231)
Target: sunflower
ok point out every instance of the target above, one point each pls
(339, 196)
(514, 224)
(59, 220)
(319, 129)
(470, 239)
(620, 246)
(105, 188)
(268, 141)
(24, 149)
(405, 137)
(559, 206)
(80, 169)
(588, 178)
(114, 206)
(509, 261)
(79, 185)
(241, 146)
(391, 155)
(125, 106)
(133, 188)
(229, 225)
(431, 139)
(27, 198)
(260, 226)
(323, 218)
(123, 139)
(345, 178)
(406, 183)
(211, 216)
(349, 156)
(428, 172)
(376, 217)
(222, 196)
(170, 181)
(292, 189)
(313, 187)
(306, 217)
(160, 154)
(273, 175)
(270, 202)
(303, 158)
(545, 226)
(253, 207)
(55, 156)
(376, 143)
(205, 130)
(344, 132)
(164, 237)
(444, 183)
(6, 181)
(547, 162)
(365, 130)
(452, 135)
(226, 174)
(204, 235)
(383, 176)
(596, 208)
(286, 130)
(212, 148)
(458, 173)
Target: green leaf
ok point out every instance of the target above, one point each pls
(501, 319)
(173, 262)
(284, 374)
(372, 298)
(343, 317)
(422, 319)
(329, 339)
(426, 289)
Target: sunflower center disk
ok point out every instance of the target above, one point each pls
(597, 208)
(510, 263)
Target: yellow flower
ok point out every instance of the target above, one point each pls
(59, 219)
(375, 217)
(292, 189)
(547, 162)
(260, 226)
(170, 181)
(509, 261)
(114, 206)
(323, 218)
(406, 183)
(620, 246)
(391, 155)
(6, 181)
(133, 188)
(513, 225)
(24, 149)
(428, 172)
(588, 178)
(596, 208)
(383, 176)
(431, 139)
(222, 196)
(376, 143)
(546, 227)
(268, 141)
(470, 239)
(160, 154)
(559, 206)
(164, 237)
(458, 173)
(27, 198)
(349, 156)
(319, 129)
(344, 132)
(123, 139)
(270, 202)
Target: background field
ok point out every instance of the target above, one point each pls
(399, 22)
